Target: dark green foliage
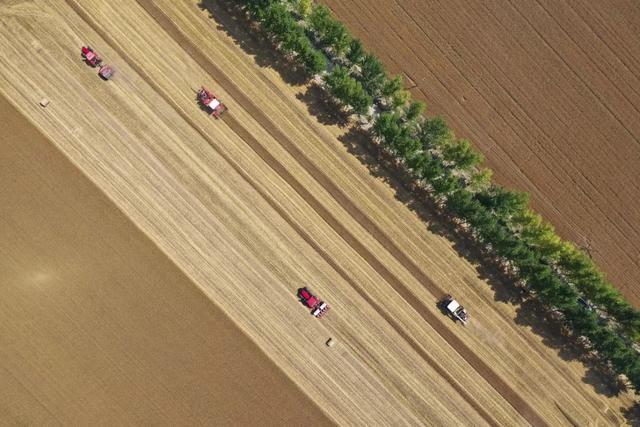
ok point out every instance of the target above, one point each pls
(414, 111)
(372, 75)
(348, 90)
(425, 167)
(356, 51)
(396, 135)
(330, 32)
(256, 7)
(435, 133)
(312, 59)
(392, 86)
(446, 185)
(461, 155)
(278, 21)
(502, 202)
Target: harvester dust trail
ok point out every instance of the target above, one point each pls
(520, 404)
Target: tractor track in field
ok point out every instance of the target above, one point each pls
(482, 368)
(534, 345)
(506, 391)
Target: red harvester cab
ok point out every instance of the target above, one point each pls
(318, 308)
(90, 56)
(211, 103)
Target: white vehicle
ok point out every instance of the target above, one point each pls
(454, 309)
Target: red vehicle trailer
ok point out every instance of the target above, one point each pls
(106, 72)
(318, 308)
(209, 101)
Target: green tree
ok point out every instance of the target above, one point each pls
(330, 31)
(445, 185)
(462, 204)
(349, 91)
(312, 59)
(256, 7)
(435, 133)
(277, 20)
(303, 7)
(356, 51)
(338, 38)
(372, 74)
(461, 155)
(406, 146)
(392, 86)
(414, 111)
(395, 135)
(480, 180)
(504, 203)
(319, 19)
(425, 167)
(339, 83)
(633, 373)
(537, 233)
(400, 98)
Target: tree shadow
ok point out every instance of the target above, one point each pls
(632, 414)
(323, 109)
(388, 170)
(529, 313)
(232, 20)
(532, 314)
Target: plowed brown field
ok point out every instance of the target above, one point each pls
(548, 90)
(96, 324)
(268, 199)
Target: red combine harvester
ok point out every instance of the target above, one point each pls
(92, 58)
(211, 103)
(318, 308)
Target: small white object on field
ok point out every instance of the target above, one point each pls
(44, 102)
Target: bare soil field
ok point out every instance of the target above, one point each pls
(98, 326)
(548, 90)
(271, 198)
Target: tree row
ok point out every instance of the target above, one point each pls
(561, 276)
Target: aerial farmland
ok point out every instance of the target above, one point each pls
(199, 234)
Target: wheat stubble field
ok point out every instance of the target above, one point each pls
(548, 90)
(266, 200)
